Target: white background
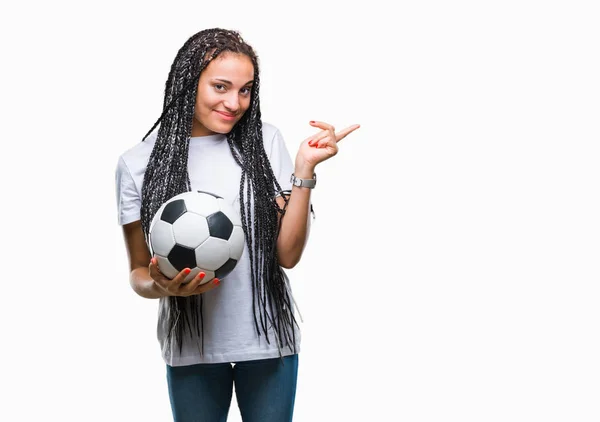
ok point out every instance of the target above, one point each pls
(452, 270)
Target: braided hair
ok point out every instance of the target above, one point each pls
(167, 175)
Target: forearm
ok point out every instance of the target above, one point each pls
(295, 224)
(143, 285)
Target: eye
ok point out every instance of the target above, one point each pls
(246, 90)
(220, 87)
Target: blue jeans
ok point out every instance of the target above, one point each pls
(265, 390)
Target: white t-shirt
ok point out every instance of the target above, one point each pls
(229, 330)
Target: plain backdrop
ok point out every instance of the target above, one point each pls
(452, 271)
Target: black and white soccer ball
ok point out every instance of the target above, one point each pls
(196, 230)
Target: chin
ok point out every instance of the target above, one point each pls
(223, 128)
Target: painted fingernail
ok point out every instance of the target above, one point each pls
(201, 275)
(312, 121)
(187, 271)
(311, 143)
(216, 281)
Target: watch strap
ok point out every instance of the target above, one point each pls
(304, 183)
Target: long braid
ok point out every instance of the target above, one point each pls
(167, 175)
(268, 279)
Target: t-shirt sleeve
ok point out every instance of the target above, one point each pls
(129, 201)
(281, 161)
(282, 164)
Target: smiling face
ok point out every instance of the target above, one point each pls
(224, 91)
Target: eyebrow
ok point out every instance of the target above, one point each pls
(230, 83)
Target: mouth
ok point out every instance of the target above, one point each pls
(225, 116)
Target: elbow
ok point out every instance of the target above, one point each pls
(288, 262)
(289, 252)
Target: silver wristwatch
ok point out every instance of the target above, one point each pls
(304, 183)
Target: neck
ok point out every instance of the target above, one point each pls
(200, 130)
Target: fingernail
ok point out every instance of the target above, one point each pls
(201, 275)
(216, 281)
(153, 261)
(312, 121)
(311, 143)
(187, 271)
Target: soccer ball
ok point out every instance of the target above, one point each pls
(196, 230)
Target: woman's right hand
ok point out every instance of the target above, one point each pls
(177, 286)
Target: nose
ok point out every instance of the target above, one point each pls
(232, 103)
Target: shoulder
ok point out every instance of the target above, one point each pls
(269, 131)
(276, 150)
(272, 137)
(136, 157)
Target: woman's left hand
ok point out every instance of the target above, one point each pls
(322, 145)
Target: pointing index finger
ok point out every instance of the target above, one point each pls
(345, 132)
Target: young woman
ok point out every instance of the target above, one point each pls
(241, 330)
